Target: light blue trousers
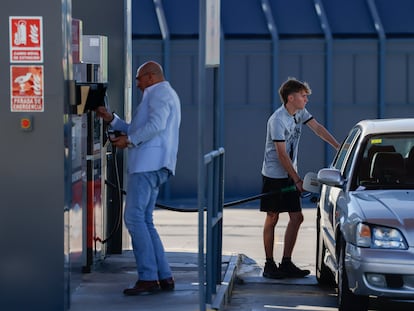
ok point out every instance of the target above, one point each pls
(142, 193)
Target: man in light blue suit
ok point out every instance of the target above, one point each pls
(152, 142)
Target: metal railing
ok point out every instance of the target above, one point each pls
(209, 262)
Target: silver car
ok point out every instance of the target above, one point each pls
(365, 215)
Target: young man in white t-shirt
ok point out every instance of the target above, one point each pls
(280, 171)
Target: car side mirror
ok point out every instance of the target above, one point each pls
(331, 177)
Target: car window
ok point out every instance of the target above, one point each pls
(387, 162)
(345, 149)
(350, 160)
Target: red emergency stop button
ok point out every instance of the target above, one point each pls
(26, 123)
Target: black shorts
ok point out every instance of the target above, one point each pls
(279, 202)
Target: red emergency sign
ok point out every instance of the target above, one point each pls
(26, 84)
(26, 39)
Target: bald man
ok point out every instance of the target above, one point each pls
(152, 143)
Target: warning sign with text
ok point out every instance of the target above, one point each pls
(26, 39)
(26, 83)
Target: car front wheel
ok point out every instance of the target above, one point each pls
(347, 300)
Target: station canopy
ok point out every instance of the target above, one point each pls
(245, 19)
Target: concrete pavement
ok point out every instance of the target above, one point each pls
(242, 243)
(102, 288)
(242, 239)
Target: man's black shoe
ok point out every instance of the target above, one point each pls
(167, 284)
(143, 288)
(271, 271)
(291, 271)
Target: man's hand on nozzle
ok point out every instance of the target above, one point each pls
(104, 114)
(299, 185)
(121, 141)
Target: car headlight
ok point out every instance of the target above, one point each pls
(379, 237)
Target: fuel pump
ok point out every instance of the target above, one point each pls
(89, 95)
(90, 75)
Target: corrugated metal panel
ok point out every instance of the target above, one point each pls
(293, 18)
(397, 17)
(249, 87)
(243, 18)
(349, 18)
(144, 19)
(182, 17)
(296, 18)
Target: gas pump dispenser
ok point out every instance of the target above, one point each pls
(90, 75)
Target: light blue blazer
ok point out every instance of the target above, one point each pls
(154, 130)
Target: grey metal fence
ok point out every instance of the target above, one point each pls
(210, 234)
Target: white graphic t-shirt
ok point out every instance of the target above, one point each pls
(282, 126)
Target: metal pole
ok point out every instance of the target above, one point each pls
(381, 56)
(218, 139)
(275, 52)
(165, 33)
(210, 272)
(320, 11)
(128, 82)
(201, 172)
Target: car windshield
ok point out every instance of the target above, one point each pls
(387, 162)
